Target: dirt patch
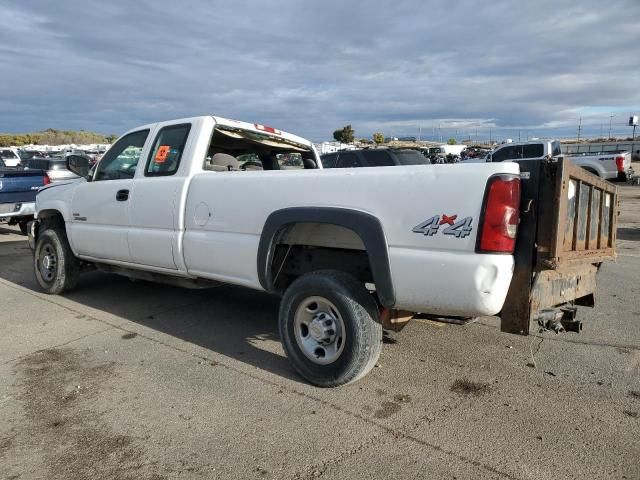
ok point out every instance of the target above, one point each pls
(401, 398)
(129, 336)
(467, 387)
(59, 389)
(634, 394)
(631, 413)
(387, 409)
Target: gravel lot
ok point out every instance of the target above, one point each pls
(122, 380)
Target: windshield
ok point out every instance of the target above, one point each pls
(8, 154)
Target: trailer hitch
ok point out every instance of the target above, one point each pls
(561, 319)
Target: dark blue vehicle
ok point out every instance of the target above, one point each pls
(18, 189)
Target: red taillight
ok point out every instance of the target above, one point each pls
(620, 164)
(264, 128)
(501, 214)
(46, 180)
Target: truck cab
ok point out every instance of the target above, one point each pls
(530, 150)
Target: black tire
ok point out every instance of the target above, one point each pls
(60, 271)
(358, 314)
(24, 226)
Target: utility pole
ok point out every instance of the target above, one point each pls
(439, 133)
(579, 128)
(490, 142)
(610, 117)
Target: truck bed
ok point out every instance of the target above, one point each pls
(19, 186)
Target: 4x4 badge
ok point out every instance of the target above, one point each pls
(459, 229)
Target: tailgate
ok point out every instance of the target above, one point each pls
(19, 185)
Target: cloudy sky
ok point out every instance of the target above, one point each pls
(308, 67)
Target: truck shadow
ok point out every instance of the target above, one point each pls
(632, 234)
(238, 323)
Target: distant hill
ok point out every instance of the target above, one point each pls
(51, 136)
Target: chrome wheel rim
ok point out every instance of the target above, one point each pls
(48, 263)
(319, 330)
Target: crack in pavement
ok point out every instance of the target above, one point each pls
(398, 434)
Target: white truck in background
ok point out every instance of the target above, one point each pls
(206, 200)
(9, 156)
(606, 165)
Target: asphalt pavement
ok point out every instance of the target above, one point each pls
(134, 380)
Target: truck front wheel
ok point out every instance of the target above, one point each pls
(329, 328)
(56, 268)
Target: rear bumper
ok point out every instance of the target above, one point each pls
(450, 283)
(18, 209)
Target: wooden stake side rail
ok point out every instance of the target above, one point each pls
(568, 224)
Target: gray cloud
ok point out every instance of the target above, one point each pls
(310, 67)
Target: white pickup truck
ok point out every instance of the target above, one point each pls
(199, 201)
(607, 165)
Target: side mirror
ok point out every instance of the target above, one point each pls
(78, 165)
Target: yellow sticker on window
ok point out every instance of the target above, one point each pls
(162, 153)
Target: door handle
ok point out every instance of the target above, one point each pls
(122, 195)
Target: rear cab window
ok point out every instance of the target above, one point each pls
(240, 149)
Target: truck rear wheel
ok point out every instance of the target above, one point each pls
(56, 268)
(329, 328)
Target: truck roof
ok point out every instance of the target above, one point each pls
(230, 123)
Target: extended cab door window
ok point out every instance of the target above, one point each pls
(164, 158)
(122, 158)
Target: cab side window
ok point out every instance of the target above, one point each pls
(164, 158)
(121, 160)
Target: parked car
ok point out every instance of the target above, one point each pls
(349, 249)
(378, 157)
(9, 157)
(55, 167)
(606, 165)
(18, 189)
